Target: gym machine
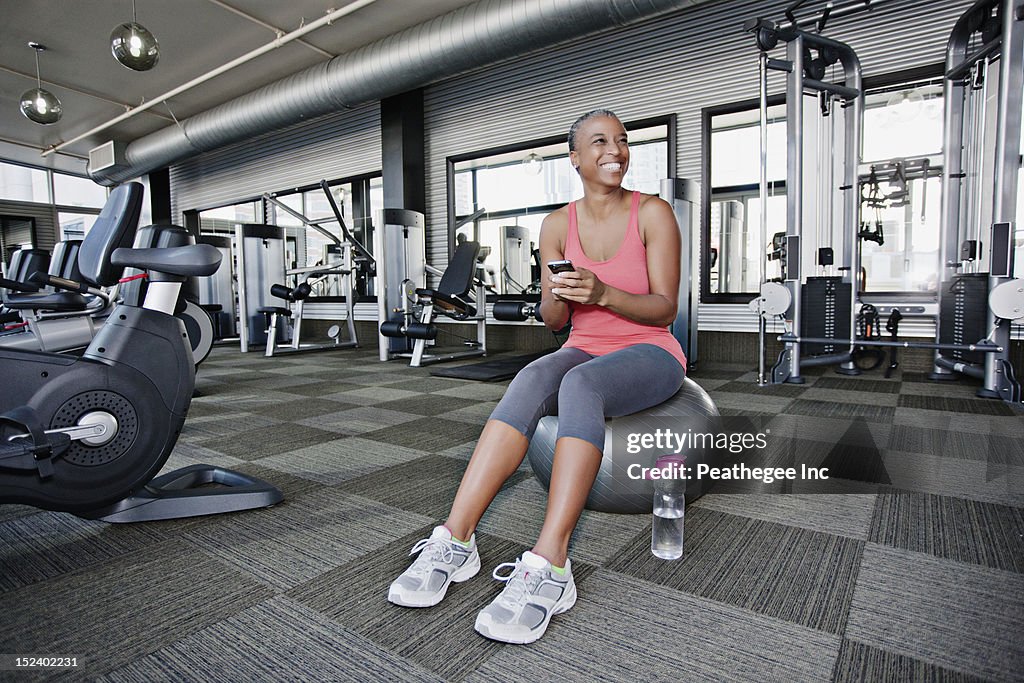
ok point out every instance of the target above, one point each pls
(88, 434)
(61, 310)
(338, 266)
(407, 308)
(808, 58)
(979, 195)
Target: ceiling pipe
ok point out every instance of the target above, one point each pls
(277, 31)
(247, 57)
(469, 37)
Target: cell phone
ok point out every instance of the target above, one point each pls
(562, 266)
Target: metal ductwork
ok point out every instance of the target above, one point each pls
(472, 36)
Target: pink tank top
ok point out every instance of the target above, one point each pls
(596, 329)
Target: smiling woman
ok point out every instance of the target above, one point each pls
(620, 282)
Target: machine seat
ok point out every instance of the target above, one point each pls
(450, 305)
(63, 302)
(278, 310)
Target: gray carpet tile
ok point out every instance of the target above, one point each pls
(477, 391)
(428, 385)
(951, 389)
(775, 390)
(126, 607)
(320, 389)
(427, 404)
(441, 638)
(858, 384)
(988, 447)
(759, 405)
(872, 411)
(958, 616)
(846, 515)
(829, 430)
(368, 396)
(202, 409)
(518, 513)
(303, 537)
(969, 479)
(253, 444)
(377, 378)
(187, 452)
(830, 395)
(781, 571)
(298, 409)
(200, 429)
(43, 545)
(246, 397)
(476, 413)
(714, 371)
(427, 434)
(426, 486)
(358, 419)
(278, 640)
(968, 423)
(974, 406)
(339, 460)
(625, 629)
(952, 528)
(290, 484)
(13, 511)
(924, 378)
(860, 663)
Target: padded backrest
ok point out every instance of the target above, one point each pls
(65, 260)
(458, 276)
(26, 261)
(114, 228)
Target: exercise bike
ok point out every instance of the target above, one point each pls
(88, 434)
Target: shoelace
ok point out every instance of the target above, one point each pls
(521, 581)
(439, 549)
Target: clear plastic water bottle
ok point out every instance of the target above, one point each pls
(669, 509)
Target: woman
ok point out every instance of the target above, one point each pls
(619, 359)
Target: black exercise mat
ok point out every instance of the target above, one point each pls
(491, 370)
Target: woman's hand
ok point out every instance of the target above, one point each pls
(580, 286)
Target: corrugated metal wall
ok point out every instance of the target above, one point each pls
(335, 146)
(45, 216)
(678, 65)
(672, 65)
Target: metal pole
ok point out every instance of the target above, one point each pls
(794, 185)
(1007, 165)
(762, 63)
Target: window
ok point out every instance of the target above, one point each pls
(222, 220)
(69, 190)
(516, 188)
(75, 226)
(24, 184)
(733, 243)
(902, 125)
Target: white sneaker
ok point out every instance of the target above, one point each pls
(533, 593)
(442, 561)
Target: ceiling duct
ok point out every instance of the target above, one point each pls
(472, 36)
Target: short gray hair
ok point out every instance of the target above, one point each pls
(586, 117)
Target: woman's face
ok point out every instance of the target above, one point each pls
(602, 153)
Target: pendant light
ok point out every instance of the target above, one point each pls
(39, 105)
(134, 46)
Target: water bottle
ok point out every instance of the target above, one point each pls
(669, 508)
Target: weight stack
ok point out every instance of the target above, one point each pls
(825, 312)
(963, 315)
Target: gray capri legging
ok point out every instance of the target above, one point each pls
(583, 389)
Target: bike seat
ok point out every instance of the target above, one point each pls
(63, 302)
(195, 260)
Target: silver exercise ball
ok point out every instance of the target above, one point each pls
(690, 408)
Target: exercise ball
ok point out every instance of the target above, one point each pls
(689, 409)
